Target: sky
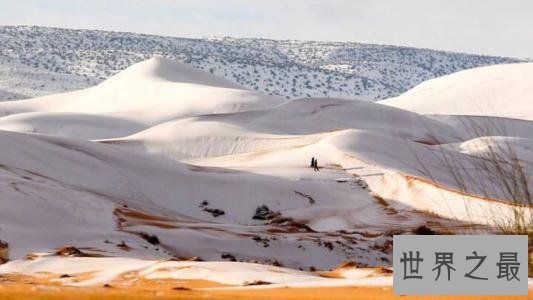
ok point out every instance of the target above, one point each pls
(493, 27)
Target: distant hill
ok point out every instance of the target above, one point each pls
(36, 61)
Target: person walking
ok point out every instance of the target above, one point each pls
(312, 162)
(316, 166)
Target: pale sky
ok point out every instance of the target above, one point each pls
(495, 27)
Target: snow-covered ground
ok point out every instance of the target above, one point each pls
(165, 161)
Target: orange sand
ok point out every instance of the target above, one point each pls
(24, 287)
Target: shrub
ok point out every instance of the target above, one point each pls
(505, 175)
(4, 252)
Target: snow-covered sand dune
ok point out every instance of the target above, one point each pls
(295, 123)
(147, 93)
(99, 179)
(500, 91)
(228, 274)
(77, 125)
(165, 161)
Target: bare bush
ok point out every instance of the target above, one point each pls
(493, 167)
(4, 252)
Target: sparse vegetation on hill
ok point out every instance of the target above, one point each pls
(38, 60)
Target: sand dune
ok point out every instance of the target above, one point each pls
(164, 161)
(500, 91)
(147, 93)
